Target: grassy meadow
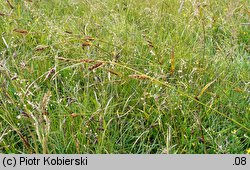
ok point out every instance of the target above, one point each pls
(125, 76)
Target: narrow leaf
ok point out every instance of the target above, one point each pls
(204, 89)
(172, 62)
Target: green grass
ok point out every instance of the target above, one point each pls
(53, 100)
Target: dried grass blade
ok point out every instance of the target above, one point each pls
(204, 89)
(150, 43)
(21, 31)
(87, 61)
(41, 47)
(64, 59)
(99, 64)
(139, 76)
(89, 38)
(68, 32)
(52, 71)
(45, 101)
(10, 5)
(86, 44)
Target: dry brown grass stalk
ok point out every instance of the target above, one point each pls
(10, 5)
(97, 65)
(68, 32)
(46, 129)
(41, 47)
(89, 38)
(139, 76)
(52, 71)
(21, 31)
(87, 61)
(86, 44)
